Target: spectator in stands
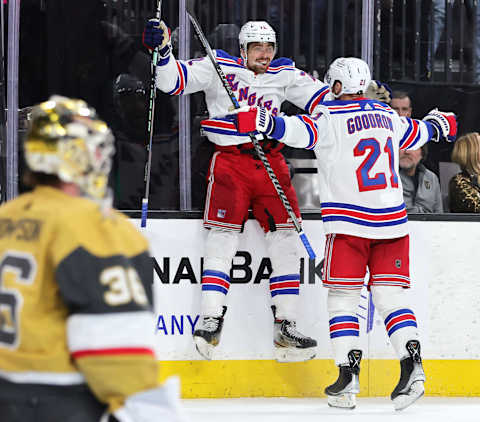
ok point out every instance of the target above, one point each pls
(464, 188)
(438, 15)
(401, 103)
(421, 188)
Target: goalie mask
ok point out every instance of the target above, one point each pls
(256, 31)
(65, 138)
(352, 73)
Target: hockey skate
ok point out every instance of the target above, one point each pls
(290, 344)
(410, 387)
(207, 335)
(343, 392)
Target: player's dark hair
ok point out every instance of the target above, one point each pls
(35, 178)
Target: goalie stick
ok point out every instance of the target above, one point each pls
(206, 46)
(151, 115)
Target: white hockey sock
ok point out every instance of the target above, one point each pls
(220, 247)
(285, 278)
(343, 322)
(400, 322)
(401, 326)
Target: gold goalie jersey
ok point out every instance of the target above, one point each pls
(75, 297)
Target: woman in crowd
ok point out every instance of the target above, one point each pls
(464, 188)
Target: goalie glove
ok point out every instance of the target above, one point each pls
(379, 91)
(251, 119)
(444, 123)
(157, 35)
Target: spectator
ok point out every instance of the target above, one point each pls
(401, 103)
(439, 19)
(464, 188)
(421, 187)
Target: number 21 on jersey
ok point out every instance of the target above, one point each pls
(371, 148)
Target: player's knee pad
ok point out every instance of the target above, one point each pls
(220, 248)
(282, 247)
(342, 301)
(388, 299)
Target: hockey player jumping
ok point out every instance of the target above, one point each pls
(237, 181)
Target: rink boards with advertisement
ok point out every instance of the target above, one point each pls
(445, 297)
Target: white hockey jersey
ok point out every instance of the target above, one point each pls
(282, 81)
(357, 147)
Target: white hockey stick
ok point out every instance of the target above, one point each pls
(151, 116)
(203, 40)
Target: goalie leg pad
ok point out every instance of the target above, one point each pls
(162, 403)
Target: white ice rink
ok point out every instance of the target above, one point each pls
(427, 409)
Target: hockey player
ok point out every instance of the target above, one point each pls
(357, 143)
(237, 179)
(76, 318)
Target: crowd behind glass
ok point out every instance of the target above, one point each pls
(99, 57)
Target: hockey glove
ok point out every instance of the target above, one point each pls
(156, 34)
(379, 91)
(251, 119)
(444, 123)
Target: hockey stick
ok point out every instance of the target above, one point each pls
(203, 40)
(151, 115)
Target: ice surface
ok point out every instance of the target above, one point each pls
(426, 409)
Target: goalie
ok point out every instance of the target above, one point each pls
(76, 317)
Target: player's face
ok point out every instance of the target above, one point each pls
(402, 106)
(409, 159)
(259, 56)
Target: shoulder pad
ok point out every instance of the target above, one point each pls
(282, 61)
(333, 103)
(225, 55)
